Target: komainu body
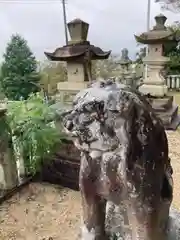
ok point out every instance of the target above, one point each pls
(124, 161)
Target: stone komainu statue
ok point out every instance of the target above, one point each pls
(124, 160)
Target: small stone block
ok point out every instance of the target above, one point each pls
(174, 124)
(160, 104)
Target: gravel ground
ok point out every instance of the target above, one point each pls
(174, 153)
(48, 212)
(41, 212)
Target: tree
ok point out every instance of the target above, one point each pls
(105, 68)
(2, 95)
(172, 5)
(19, 75)
(172, 50)
(51, 74)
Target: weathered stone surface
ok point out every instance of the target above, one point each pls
(173, 229)
(174, 124)
(115, 221)
(168, 115)
(156, 90)
(154, 84)
(161, 104)
(167, 111)
(124, 160)
(7, 158)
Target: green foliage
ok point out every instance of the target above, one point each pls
(172, 5)
(31, 124)
(105, 68)
(2, 95)
(172, 50)
(51, 74)
(116, 236)
(140, 55)
(19, 76)
(173, 67)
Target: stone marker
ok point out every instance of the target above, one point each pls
(78, 55)
(9, 175)
(154, 85)
(124, 161)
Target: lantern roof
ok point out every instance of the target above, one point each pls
(159, 34)
(78, 46)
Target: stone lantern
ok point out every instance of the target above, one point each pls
(125, 60)
(154, 84)
(125, 71)
(78, 55)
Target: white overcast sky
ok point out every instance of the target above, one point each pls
(113, 23)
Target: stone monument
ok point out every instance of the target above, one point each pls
(78, 55)
(154, 85)
(124, 161)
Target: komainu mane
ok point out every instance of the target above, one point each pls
(124, 160)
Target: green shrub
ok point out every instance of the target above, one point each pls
(33, 130)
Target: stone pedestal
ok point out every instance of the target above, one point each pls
(167, 111)
(154, 82)
(158, 90)
(67, 90)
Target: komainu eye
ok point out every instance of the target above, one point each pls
(85, 118)
(86, 135)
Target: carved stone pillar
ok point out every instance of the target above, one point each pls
(7, 158)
